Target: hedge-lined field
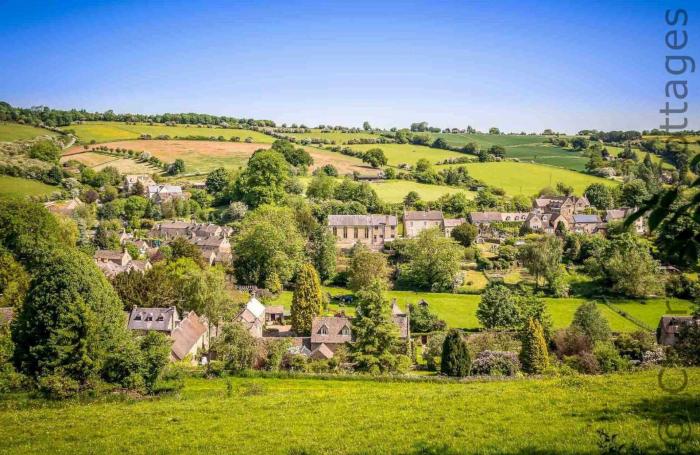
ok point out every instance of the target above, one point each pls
(396, 190)
(313, 416)
(459, 310)
(14, 131)
(409, 154)
(20, 187)
(119, 131)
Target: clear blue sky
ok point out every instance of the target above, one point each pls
(516, 65)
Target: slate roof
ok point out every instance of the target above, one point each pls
(430, 215)
(454, 222)
(586, 219)
(160, 319)
(109, 255)
(361, 220)
(483, 217)
(321, 352)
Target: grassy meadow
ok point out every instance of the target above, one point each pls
(528, 179)
(20, 187)
(395, 190)
(337, 137)
(14, 131)
(99, 161)
(314, 416)
(120, 131)
(459, 310)
(408, 153)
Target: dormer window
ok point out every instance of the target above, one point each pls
(345, 331)
(137, 317)
(149, 318)
(323, 330)
(159, 318)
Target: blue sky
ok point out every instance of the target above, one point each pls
(515, 65)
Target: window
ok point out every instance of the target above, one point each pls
(149, 318)
(366, 233)
(323, 330)
(354, 233)
(137, 317)
(335, 232)
(159, 318)
(345, 232)
(345, 331)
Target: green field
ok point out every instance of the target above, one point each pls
(118, 131)
(19, 187)
(408, 153)
(487, 140)
(459, 310)
(528, 178)
(395, 190)
(313, 416)
(15, 131)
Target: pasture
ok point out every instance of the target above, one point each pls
(408, 153)
(393, 191)
(459, 310)
(14, 131)
(528, 178)
(204, 156)
(119, 131)
(314, 416)
(20, 187)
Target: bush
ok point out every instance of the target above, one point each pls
(432, 352)
(656, 356)
(585, 363)
(571, 341)
(632, 346)
(455, 359)
(492, 341)
(57, 386)
(216, 369)
(609, 360)
(496, 363)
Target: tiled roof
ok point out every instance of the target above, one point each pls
(453, 222)
(109, 254)
(333, 327)
(480, 217)
(321, 352)
(187, 334)
(276, 309)
(431, 215)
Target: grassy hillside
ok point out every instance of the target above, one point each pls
(19, 187)
(337, 137)
(408, 153)
(528, 178)
(459, 310)
(312, 416)
(14, 131)
(118, 131)
(396, 190)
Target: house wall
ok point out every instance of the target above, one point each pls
(413, 228)
(372, 236)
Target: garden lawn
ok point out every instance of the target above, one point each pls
(528, 179)
(14, 131)
(459, 310)
(20, 187)
(396, 190)
(117, 131)
(313, 416)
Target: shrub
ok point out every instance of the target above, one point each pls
(534, 355)
(571, 341)
(585, 363)
(633, 345)
(432, 352)
(609, 360)
(688, 345)
(589, 320)
(57, 386)
(492, 341)
(654, 357)
(216, 369)
(455, 359)
(496, 363)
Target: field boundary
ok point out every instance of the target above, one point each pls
(626, 315)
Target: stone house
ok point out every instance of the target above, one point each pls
(163, 193)
(619, 215)
(253, 317)
(586, 224)
(670, 326)
(131, 180)
(370, 230)
(417, 221)
(451, 223)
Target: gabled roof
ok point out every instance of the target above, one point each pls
(334, 326)
(321, 352)
(276, 309)
(482, 217)
(255, 307)
(187, 334)
(361, 220)
(430, 215)
(453, 222)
